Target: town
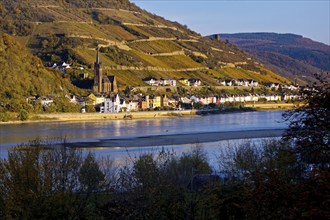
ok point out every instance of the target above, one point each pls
(106, 98)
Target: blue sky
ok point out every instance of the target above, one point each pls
(310, 18)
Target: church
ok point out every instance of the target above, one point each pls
(103, 84)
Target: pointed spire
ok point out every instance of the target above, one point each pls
(97, 55)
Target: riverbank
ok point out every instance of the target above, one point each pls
(58, 117)
(272, 106)
(104, 116)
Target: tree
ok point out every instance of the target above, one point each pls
(260, 182)
(145, 170)
(39, 183)
(309, 126)
(90, 108)
(90, 175)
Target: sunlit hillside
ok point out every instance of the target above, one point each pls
(134, 43)
(23, 75)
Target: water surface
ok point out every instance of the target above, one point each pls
(13, 134)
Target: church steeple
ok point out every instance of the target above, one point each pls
(97, 55)
(98, 72)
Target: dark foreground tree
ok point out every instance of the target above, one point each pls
(52, 182)
(309, 128)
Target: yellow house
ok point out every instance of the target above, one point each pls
(165, 101)
(91, 99)
(157, 102)
(184, 82)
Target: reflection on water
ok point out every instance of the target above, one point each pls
(126, 155)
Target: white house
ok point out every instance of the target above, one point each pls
(243, 82)
(112, 105)
(72, 98)
(132, 106)
(167, 82)
(46, 101)
(151, 81)
(253, 83)
(222, 82)
(288, 97)
(172, 82)
(273, 98)
(291, 87)
(228, 82)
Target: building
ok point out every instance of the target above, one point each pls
(185, 82)
(194, 82)
(151, 81)
(157, 102)
(112, 105)
(103, 83)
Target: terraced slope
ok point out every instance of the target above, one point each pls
(134, 43)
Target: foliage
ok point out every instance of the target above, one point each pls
(23, 115)
(7, 116)
(90, 175)
(51, 184)
(263, 182)
(309, 128)
(90, 108)
(23, 75)
(121, 57)
(267, 182)
(63, 104)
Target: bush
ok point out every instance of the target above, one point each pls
(4, 116)
(23, 115)
(90, 108)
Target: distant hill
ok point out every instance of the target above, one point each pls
(289, 54)
(23, 74)
(134, 43)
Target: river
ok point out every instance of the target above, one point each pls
(149, 130)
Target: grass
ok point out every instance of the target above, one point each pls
(123, 16)
(66, 14)
(70, 28)
(159, 46)
(179, 61)
(89, 57)
(118, 33)
(138, 29)
(153, 61)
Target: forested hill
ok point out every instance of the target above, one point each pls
(134, 43)
(23, 74)
(289, 54)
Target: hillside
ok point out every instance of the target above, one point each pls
(135, 44)
(289, 54)
(23, 75)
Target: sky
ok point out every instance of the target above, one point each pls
(309, 18)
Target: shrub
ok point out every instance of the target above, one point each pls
(4, 116)
(90, 108)
(23, 115)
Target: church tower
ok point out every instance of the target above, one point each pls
(98, 73)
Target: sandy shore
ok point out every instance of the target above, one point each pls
(178, 139)
(104, 116)
(39, 118)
